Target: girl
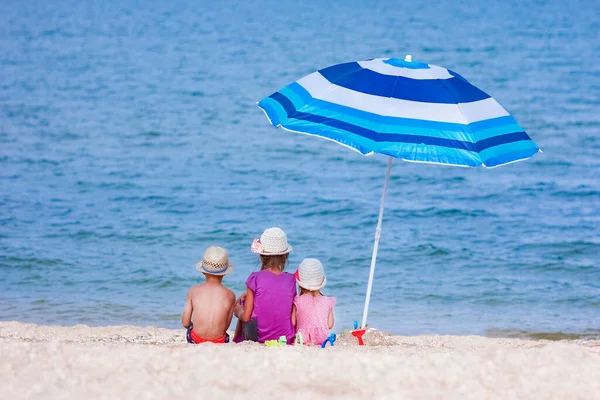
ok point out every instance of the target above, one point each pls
(265, 310)
(312, 313)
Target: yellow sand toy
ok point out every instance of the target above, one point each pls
(276, 343)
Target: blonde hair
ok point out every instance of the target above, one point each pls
(304, 291)
(273, 262)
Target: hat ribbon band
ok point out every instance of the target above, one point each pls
(218, 271)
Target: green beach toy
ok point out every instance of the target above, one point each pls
(298, 339)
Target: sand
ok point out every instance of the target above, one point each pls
(120, 362)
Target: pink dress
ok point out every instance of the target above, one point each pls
(312, 314)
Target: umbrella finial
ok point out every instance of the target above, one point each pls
(408, 58)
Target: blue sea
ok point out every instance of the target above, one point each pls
(130, 141)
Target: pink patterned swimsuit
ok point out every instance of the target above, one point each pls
(312, 314)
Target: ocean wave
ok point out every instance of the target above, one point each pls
(577, 193)
(563, 248)
(435, 212)
(566, 267)
(29, 263)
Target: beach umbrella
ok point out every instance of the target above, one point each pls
(403, 109)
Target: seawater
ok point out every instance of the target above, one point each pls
(130, 141)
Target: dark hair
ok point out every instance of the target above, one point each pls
(273, 262)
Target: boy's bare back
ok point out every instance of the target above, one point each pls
(209, 306)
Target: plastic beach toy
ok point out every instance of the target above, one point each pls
(358, 334)
(298, 339)
(330, 340)
(276, 343)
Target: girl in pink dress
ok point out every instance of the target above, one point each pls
(265, 309)
(312, 313)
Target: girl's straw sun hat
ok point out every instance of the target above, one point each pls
(310, 274)
(272, 242)
(215, 262)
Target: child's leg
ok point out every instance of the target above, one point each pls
(245, 331)
(250, 330)
(237, 336)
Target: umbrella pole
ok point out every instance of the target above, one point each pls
(376, 245)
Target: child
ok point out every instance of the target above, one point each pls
(312, 313)
(270, 292)
(209, 306)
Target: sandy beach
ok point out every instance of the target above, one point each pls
(156, 363)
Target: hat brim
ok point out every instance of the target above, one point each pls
(309, 287)
(228, 269)
(263, 253)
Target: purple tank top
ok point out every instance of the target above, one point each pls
(273, 299)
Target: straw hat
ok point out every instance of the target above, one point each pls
(310, 274)
(272, 242)
(215, 262)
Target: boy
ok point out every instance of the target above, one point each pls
(209, 306)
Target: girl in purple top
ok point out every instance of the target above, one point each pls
(267, 303)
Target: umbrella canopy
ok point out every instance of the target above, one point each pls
(404, 109)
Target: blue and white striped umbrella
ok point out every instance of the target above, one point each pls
(404, 109)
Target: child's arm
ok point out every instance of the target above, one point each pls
(231, 309)
(244, 313)
(186, 317)
(294, 314)
(330, 319)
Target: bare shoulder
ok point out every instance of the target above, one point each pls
(230, 293)
(195, 290)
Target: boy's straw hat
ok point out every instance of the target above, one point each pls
(310, 274)
(215, 262)
(272, 242)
